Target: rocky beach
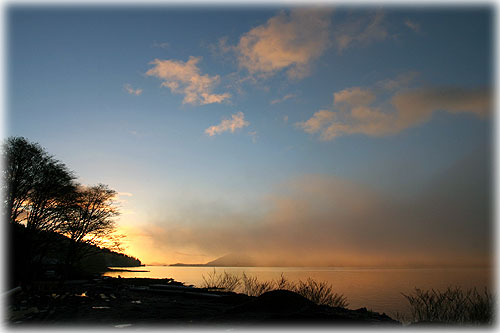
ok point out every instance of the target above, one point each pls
(141, 302)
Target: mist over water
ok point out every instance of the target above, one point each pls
(321, 220)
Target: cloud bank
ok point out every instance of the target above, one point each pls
(317, 220)
(186, 78)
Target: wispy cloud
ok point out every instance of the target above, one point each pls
(285, 42)
(186, 78)
(358, 110)
(413, 25)
(161, 45)
(237, 121)
(282, 99)
(362, 31)
(131, 90)
(121, 197)
(254, 135)
(402, 81)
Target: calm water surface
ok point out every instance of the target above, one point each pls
(378, 289)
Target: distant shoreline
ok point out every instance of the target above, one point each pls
(343, 267)
(109, 269)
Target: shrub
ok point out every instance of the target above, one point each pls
(283, 284)
(225, 281)
(252, 286)
(452, 306)
(320, 293)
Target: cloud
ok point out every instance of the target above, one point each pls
(359, 110)
(316, 220)
(285, 42)
(121, 199)
(186, 78)
(317, 121)
(282, 99)
(417, 106)
(402, 81)
(162, 45)
(354, 97)
(254, 135)
(292, 40)
(362, 31)
(413, 25)
(132, 91)
(237, 121)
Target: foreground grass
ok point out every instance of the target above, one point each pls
(318, 292)
(451, 306)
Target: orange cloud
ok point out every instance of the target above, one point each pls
(318, 121)
(286, 41)
(354, 97)
(359, 110)
(418, 105)
(237, 121)
(186, 78)
(282, 99)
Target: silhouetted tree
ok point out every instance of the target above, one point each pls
(35, 185)
(89, 220)
(21, 159)
(43, 203)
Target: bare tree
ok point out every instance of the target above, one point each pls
(21, 158)
(35, 185)
(89, 220)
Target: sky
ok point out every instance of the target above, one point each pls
(338, 136)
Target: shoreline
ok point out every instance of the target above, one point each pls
(125, 270)
(137, 302)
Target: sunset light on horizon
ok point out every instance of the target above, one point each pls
(291, 135)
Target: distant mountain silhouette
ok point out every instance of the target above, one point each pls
(234, 260)
(229, 260)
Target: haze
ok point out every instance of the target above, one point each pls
(296, 136)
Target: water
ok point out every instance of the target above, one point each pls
(378, 289)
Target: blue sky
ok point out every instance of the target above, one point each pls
(253, 100)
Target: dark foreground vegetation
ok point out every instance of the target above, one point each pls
(56, 227)
(143, 302)
(120, 302)
(451, 306)
(320, 293)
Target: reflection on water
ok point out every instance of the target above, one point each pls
(378, 289)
